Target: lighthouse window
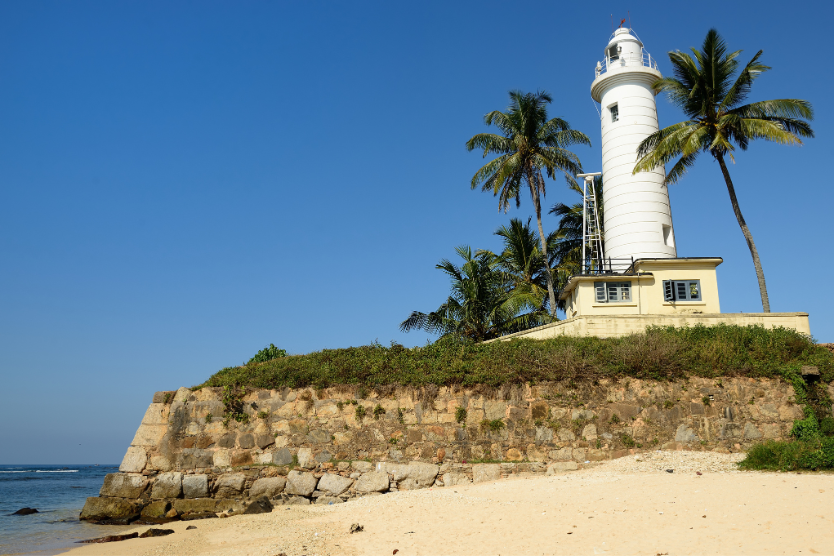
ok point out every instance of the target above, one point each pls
(612, 292)
(682, 290)
(615, 113)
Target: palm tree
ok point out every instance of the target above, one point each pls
(523, 263)
(481, 306)
(718, 120)
(529, 144)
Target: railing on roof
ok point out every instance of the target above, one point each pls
(644, 59)
(608, 267)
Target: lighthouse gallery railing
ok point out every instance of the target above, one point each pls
(644, 59)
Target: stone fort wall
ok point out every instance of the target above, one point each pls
(186, 461)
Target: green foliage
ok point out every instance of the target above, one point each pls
(340, 404)
(209, 418)
(615, 419)
(807, 429)
(233, 404)
(167, 397)
(706, 400)
(668, 404)
(393, 441)
(827, 426)
(360, 412)
(460, 415)
(263, 414)
(400, 416)
(268, 354)
(660, 353)
(378, 411)
(495, 425)
(627, 441)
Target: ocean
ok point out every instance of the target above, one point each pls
(58, 492)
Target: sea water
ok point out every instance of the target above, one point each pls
(58, 492)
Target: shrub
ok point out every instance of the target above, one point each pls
(659, 353)
(378, 411)
(460, 415)
(360, 412)
(627, 440)
(268, 354)
(495, 425)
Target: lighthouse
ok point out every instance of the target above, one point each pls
(637, 214)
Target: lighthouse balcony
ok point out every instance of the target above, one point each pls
(626, 60)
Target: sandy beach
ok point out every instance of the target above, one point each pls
(631, 505)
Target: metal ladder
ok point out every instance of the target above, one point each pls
(593, 256)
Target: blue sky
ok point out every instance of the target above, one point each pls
(182, 183)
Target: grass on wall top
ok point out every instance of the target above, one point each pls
(662, 353)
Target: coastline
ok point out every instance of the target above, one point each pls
(625, 506)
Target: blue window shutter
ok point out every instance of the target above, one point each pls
(668, 290)
(601, 295)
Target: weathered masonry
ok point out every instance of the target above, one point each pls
(306, 446)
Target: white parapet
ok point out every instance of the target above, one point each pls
(637, 214)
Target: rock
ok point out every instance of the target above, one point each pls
(362, 466)
(355, 476)
(190, 527)
(751, 432)
(193, 458)
(544, 435)
(269, 487)
(333, 484)
(122, 485)
(305, 458)
(110, 511)
(300, 483)
(484, 472)
(155, 511)
(195, 486)
(201, 508)
(297, 501)
(563, 454)
(454, 479)
(156, 533)
(584, 414)
(229, 485)
(514, 454)
(685, 434)
(413, 475)
(246, 441)
(319, 436)
(25, 511)
(172, 514)
(356, 528)
(561, 467)
(110, 538)
(227, 440)
(259, 506)
(167, 485)
(282, 457)
(324, 457)
(160, 463)
(327, 500)
(590, 432)
(373, 481)
(264, 440)
(134, 460)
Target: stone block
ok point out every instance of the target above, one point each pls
(160, 463)
(484, 472)
(300, 483)
(246, 441)
(584, 414)
(589, 432)
(319, 436)
(192, 458)
(156, 414)
(685, 434)
(228, 440)
(362, 466)
(561, 467)
(305, 458)
(539, 410)
(563, 454)
(297, 501)
(454, 479)
(566, 436)
(222, 458)
(751, 432)
(110, 511)
(373, 481)
(264, 440)
(323, 456)
(195, 486)
(121, 485)
(258, 506)
(328, 500)
(579, 454)
(167, 485)
(421, 474)
(270, 487)
(241, 457)
(495, 410)
(155, 511)
(282, 457)
(334, 485)
(298, 426)
(134, 460)
(544, 435)
(149, 435)
(514, 454)
(164, 397)
(229, 485)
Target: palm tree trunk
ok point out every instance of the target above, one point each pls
(534, 190)
(747, 235)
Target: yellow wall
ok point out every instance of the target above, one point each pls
(607, 326)
(647, 290)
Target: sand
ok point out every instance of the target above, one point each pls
(625, 506)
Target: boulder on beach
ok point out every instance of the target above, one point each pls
(25, 511)
(110, 511)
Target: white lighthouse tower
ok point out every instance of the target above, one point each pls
(637, 215)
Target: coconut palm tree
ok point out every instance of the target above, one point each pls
(481, 306)
(719, 120)
(522, 261)
(529, 144)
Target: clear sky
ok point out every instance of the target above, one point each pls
(182, 183)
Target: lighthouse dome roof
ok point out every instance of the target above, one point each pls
(623, 35)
